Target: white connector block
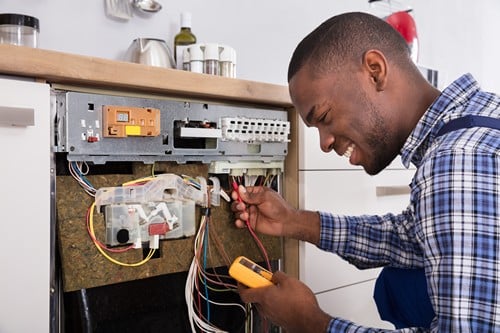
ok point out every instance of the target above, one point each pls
(253, 168)
(254, 129)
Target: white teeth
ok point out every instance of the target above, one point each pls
(349, 151)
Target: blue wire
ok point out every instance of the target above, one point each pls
(82, 177)
(205, 246)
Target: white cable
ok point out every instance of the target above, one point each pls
(76, 174)
(194, 268)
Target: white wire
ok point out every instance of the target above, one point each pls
(75, 173)
(189, 290)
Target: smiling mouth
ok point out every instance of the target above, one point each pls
(349, 150)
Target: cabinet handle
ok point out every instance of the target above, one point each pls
(383, 191)
(14, 116)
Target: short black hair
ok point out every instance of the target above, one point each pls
(344, 38)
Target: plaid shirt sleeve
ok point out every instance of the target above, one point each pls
(455, 201)
(372, 241)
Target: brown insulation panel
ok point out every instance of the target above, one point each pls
(83, 266)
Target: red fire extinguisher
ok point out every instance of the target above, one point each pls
(403, 22)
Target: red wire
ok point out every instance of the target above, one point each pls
(254, 235)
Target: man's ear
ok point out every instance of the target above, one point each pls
(375, 64)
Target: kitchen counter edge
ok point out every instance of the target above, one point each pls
(71, 69)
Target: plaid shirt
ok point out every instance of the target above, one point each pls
(452, 225)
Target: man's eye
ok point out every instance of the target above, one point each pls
(322, 116)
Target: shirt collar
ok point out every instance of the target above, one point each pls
(456, 94)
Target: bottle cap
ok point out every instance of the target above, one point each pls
(185, 20)
(20, 20)
(211, 51)
(195, 52)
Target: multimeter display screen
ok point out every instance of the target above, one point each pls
(251, 265)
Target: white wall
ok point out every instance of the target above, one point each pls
(455, 36)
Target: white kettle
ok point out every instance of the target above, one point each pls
(150, 51)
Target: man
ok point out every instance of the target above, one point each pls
(353, 79)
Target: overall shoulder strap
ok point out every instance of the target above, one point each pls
(468, 122)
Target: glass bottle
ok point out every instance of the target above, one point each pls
(183, 39)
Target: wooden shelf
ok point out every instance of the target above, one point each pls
(70, 69)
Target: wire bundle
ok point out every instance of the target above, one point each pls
(198, 280)
(76, 169)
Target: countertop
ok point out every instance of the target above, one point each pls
(71, 69)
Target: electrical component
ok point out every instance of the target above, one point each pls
(135, 223)
(249, 173)
(252, 168)
(254, 129)
(151, 130)
(161, 208)
(123, 121)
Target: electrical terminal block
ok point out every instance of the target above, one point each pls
(254, 129)
(255, 168)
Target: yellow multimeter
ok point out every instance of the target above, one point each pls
(249, 273)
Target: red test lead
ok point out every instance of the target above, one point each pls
(235, 188)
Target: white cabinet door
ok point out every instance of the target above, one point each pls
(25, 201)
(349, 192)
(354, 303)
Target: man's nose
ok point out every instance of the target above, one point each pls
(326, 141)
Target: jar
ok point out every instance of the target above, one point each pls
(211, 59)
(19, 29)
(186, 60)
(195, 58)
(227, 61)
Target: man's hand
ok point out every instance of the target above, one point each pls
(265, 211)
(288, 303)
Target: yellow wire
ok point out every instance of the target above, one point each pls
(91, 224)
(266, 179)
(140, 180)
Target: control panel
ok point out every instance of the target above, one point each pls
(122, 121)
(100, 128)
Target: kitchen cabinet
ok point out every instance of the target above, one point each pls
(353, 304)
(27, 153)
(328, 183)
(26, 214)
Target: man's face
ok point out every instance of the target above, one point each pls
(349, 115)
